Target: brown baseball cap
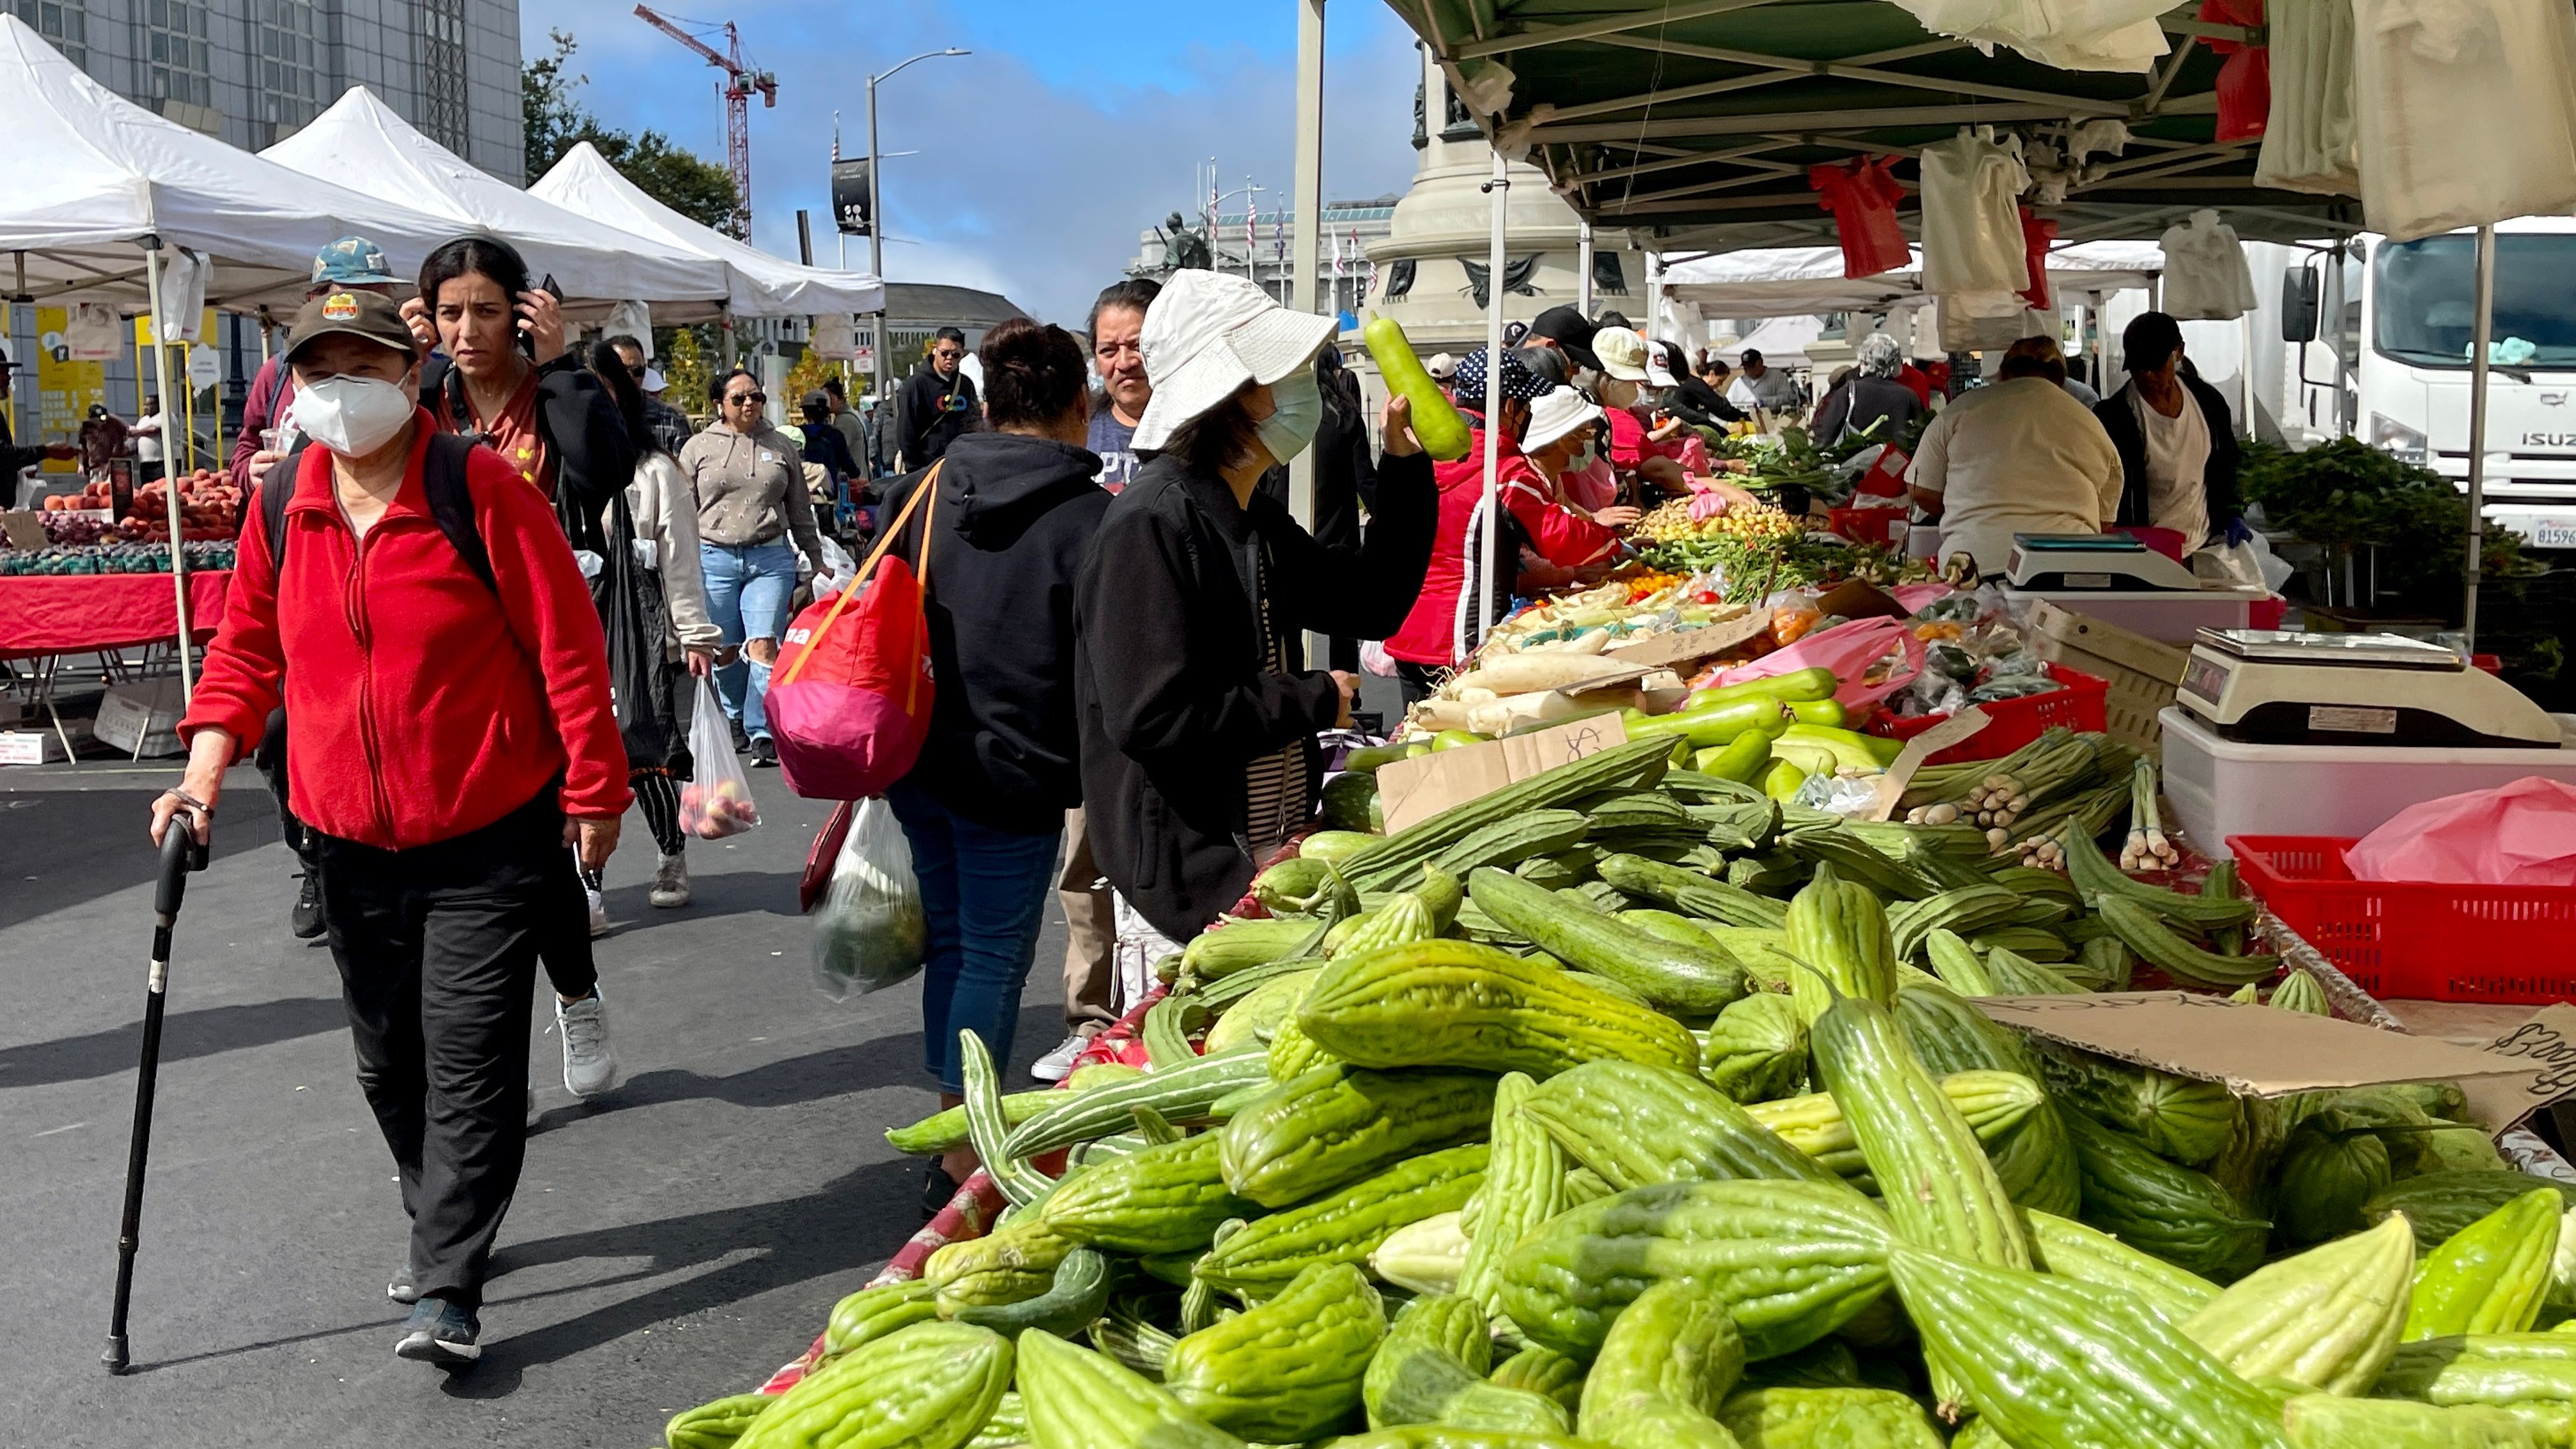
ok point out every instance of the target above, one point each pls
(350, 313)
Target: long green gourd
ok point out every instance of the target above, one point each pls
(1336, 1124)
(2491, 1276)
(1756, 1049)
(2327, 1318)
(1639, 1125)
(1394, 859)
(1166, 1198)
(1288, 1370)
(928, 1387)
(1182, 1094)
(1670, 1360)
(1431, 1370)
(2068, 1249)
(1436, 423)
(1343, 1226)
(1524, 1187)
(2054, 1363)
(1457, 1004)
(1078, 1399)
(1861, 1418)
(1838, 931)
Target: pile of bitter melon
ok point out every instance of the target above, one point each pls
(1542, 1124)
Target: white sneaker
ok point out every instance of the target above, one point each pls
(670, 882)
(590, 1064)
(598, 912)
(1057, 1065)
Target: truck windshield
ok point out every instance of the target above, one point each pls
(2427, 299)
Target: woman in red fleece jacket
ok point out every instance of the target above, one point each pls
(453, 733)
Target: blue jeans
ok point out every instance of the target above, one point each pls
(985, 892)
(747, 592)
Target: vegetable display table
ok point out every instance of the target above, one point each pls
(45, 617)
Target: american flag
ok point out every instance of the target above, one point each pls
(1251, 225)
(1337, 258)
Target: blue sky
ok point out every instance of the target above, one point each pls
(1070, 129)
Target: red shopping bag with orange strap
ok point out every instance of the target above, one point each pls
(849, 699)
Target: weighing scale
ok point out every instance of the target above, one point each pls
(2266, 686)
(2055, 562)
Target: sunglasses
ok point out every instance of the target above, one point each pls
(948, 354)
(737, 399)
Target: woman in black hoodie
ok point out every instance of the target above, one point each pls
(1006, 532)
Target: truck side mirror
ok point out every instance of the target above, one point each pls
(2300, 304)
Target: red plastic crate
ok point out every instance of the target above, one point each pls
(2416, 940)
(1870, 525)
(2083, 706)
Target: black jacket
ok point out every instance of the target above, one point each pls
(930, 411)
(577, 421)
(822, 443)
(2218, 476)
(1862, 401)
(1016, 516)
(1174, 699)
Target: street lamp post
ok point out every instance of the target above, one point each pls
(1251, 259)
(876, 211)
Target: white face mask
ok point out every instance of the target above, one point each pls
(1299, 410)
(351, 416)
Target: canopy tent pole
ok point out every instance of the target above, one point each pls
(170, 493)
(2481, 337)
(1307, 209)
(1500, 189)
(1654, 293)
(1583, 269)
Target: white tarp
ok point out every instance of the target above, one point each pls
(361, 140)
(87, 174)
(759, 285)
(1788, 281)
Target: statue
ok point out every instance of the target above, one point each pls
(1184, 247)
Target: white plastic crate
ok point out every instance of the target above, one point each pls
(2221, 787)
(2168, 616)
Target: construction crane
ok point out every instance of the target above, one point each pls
(740, 81)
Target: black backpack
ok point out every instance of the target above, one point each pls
(451, 504)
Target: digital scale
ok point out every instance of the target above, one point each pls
(2075, 562)
(2266, 686)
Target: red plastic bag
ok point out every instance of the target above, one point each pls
(1848, 650)
(2245, 81)
(1862, 197)
(2522, 834)
(849, 699)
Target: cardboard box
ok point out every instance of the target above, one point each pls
(30, 747)
(2142, 672)
(147, 713)
(2255, 1051)
(1417, 789)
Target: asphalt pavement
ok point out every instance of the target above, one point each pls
(671, 1242)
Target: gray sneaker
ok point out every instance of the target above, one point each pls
(1057, 1065)
(590, 1064)
(442, 1333)
(404, 1287)
(670, 882)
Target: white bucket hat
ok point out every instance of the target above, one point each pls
(1622, 353)
(1557, 412)
(1206, 336)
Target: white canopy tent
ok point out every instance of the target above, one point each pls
(592, 261)
(89, 181)
(756, 283)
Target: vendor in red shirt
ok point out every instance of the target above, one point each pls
(1443, 628)
(1648, 454)
(453, 734)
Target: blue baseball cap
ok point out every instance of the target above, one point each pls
(353, 261)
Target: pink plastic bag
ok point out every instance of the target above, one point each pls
(2522, 834)
(1848, 650)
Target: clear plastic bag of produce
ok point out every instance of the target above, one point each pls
(869, 930)
(717, 803)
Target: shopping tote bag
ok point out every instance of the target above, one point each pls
(849, 699)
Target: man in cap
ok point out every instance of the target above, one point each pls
(1757, 386)
(1562, 329)
(351, 264)
(15, 460)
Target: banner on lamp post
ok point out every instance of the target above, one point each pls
(850, 197)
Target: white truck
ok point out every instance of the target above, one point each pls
(2378, 347)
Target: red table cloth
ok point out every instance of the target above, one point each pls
(76, 613)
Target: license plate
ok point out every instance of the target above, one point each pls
(2553, 533)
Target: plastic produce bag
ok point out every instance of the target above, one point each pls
(718, 802)
(870, 931)
(2522, 834)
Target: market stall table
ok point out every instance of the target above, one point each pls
(45, 617)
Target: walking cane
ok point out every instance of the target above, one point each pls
(180, 854)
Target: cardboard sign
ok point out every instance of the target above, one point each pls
(1891, 785)
(1685, 645)
(2256, 1051)
(25, 530)
(2542, 1055)
(1409, 791)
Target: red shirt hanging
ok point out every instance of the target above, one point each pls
(1862, 197)
(2036, 234)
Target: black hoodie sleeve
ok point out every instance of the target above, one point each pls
(1363, 591)
(1158, 704)
(594, 458)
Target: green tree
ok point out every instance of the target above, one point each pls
(555, 121)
